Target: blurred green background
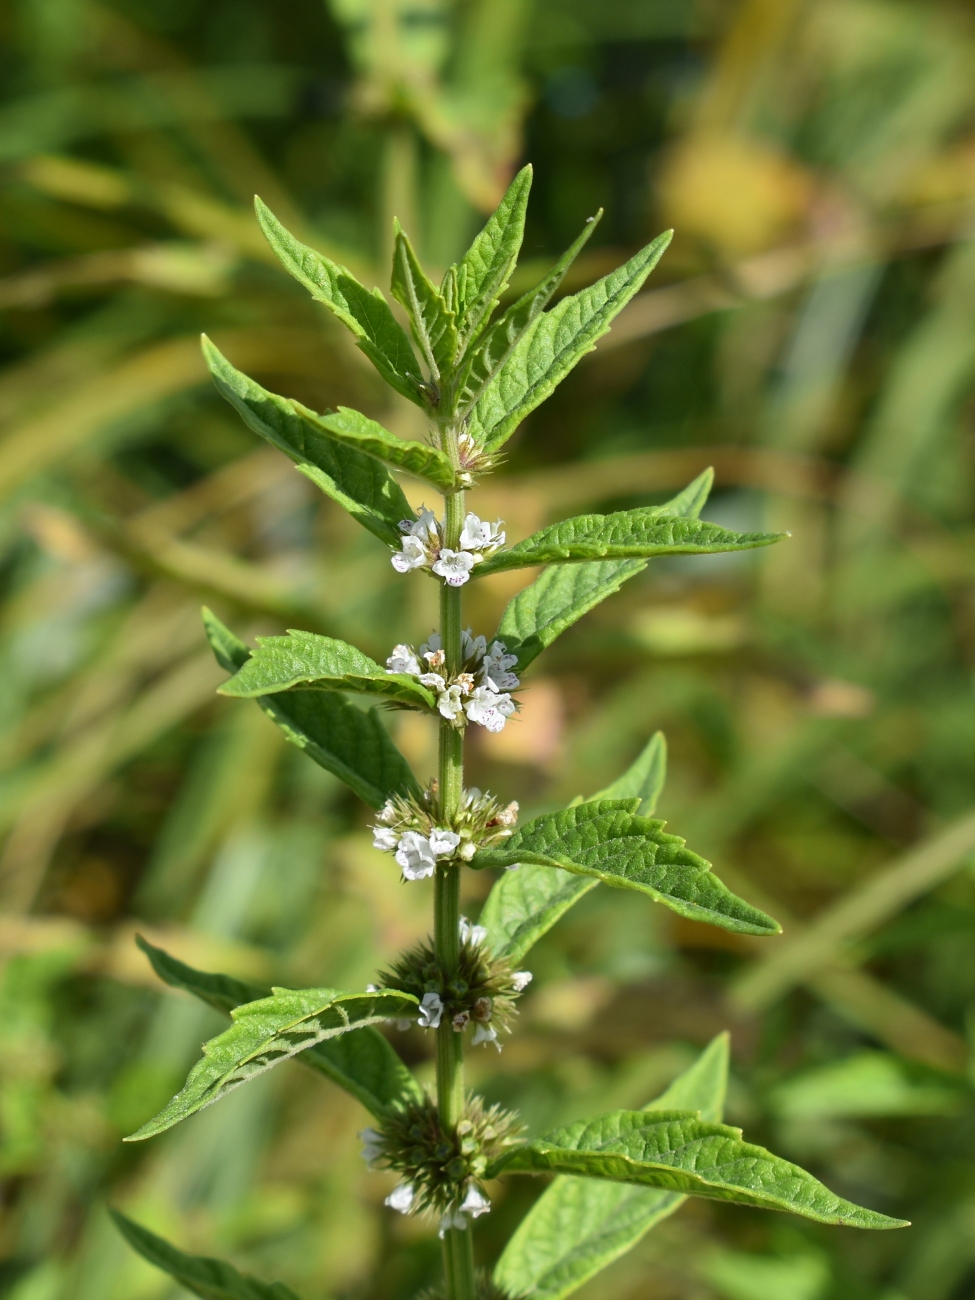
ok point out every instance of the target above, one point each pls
(811, 334)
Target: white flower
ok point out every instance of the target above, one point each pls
(480, 536)
(401, 1198)
(475, 1203)
(423, 526)
(498, 656)
(467, 850)
(432, 646)
(431, 1009)
(412, 555)
(384, 839)
(453, 1219)
(403, 660)
(453, 566)
(489, 708)
(388, 812)
(451, 704)
(472, 647)
(443, 843)
(374, 988)
(485, 1034)
(520, 980)
(415, 856)
(372, 1144)
(474, 934)
(434, 681)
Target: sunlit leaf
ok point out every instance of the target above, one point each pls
(431, 320)
(358, 431)
(482, 273)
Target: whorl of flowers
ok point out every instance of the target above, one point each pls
(441, 1169)
(478, 693)
(415, 833)
(422, 547)
(484, 1289)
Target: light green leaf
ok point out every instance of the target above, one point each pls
(553, 344)
(495, 345)
(579, 1225)
(210, 1278)
(607, 841)
(321, 663)
(359, 432)
(351, 743)
(642, 533)
(680, 1152)
(643, 779)
(361, 1062)
(690, 501)
(367, 315)
(483, 271)
(357, 481)
(267, 1032)
(433, 323)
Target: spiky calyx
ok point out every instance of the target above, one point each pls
(484, 989)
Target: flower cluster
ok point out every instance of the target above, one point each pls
(422, 547)
(478, 693)
(441, 1169)
(413, 830)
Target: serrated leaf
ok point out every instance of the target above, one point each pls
(579, 1225)
(362, 1062)
(607, 841)
(432, 322)
(367, 314)
(553, 344)
(627, 534)
(267, 1032)
(321, 663)
(357, 481)
(680, 1152)
(351, 743)
(690, 501)
(482, 273)
(643, 779)
(213, 1279)
(497, 341)
(359, 432)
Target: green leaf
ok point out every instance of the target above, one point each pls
(357, 431)
(267, 1032)
(680, 1152)
(579, 1225)
(553, 344)
(642, 533)
(495, 345)
(323, 663)
(608, 841)
(367, 314)
(351, 743)
(357, 481)
(361, 1062)
(643, 779)
(690, 501)
(210, 1278)
(433, 323)
(483, 271)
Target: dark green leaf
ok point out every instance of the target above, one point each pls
(367, 314)
(357, 481)
(643, 779)
(210, 1278)
(304, 658)
(680, 1152)
(553, 344)
(362, 1062)
(433, 323)
(359, 432)
(483, 271)
(579, 1225)
(267, 1032)
(608, 841)
(351, 743)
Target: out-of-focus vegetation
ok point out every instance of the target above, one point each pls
(811, 334)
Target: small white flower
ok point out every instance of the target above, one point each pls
(467, 850)
(472, 647)
(474, 934)
(485, 1034)
(475, 1203)
(424, 526)
(520, 980)
(401, 1198)
(431, 1009)
(498, 656)
(373, 988)
(497, 681)
(509, 815)
(432, 645)
(477, 535)
(434, 681)
(453, 566)
(384, 839)
(443, 843)
(412, 555)
(451, 703)
(403, 660)
(435, 658)
(372, 1144)
(489, 708)
(415, 856)
(453, 1219)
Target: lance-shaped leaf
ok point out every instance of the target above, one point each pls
(210, 1278)
(579, 1225)
(433, 323)
(681, 1152)
(362, 1062)
(607, 841)
(350, 742)
(525, 904)
(554, 343)
(627, 534)
(357, 431)
(321, 663)
(267, 1032)
(367, 314)
(481, 276)
(495, 345)
(357, 481)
